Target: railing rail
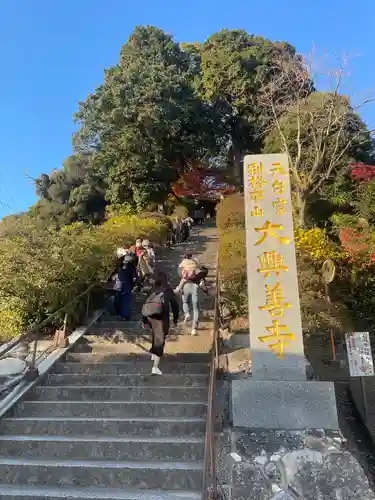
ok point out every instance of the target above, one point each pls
(81, 303)
(210, 489)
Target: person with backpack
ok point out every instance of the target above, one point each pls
(192, 279)
(190, 270)
(156, 314)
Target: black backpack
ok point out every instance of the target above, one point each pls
(199, 275)
(154, 305)
(129, 258)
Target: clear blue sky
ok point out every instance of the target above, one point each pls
(53, 52)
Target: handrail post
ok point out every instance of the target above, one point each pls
(88, 304)
(35, 347)
(210, 483)
(32, 372)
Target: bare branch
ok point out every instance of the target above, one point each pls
(325, 126)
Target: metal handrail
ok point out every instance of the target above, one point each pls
(210, 483)
(32, 335)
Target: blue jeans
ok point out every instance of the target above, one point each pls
(190, 294)
(125, 304)
(122, 303)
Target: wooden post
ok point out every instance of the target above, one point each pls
(60, 339)
(364, 397)
(333, 346)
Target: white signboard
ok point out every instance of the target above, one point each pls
(359, 354)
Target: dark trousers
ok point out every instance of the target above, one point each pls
(122, 303)
(160, 329)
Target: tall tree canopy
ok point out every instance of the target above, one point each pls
(233, 66)
(168, 110)
(75, 192)
(145, 124)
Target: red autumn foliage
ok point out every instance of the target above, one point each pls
(203, 184)
(362, 172)
(356, 242)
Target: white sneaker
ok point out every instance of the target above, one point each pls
(156, 371)
(187, 318)
(194, 332)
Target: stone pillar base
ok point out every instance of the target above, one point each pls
(283, 405)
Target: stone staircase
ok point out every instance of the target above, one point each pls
(101, 427)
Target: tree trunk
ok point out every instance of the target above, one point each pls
(236, 155)
(302, 206)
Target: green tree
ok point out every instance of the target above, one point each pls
(145, 125)
(76, 192)
(233, 65)
(364, 202)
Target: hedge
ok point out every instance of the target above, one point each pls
(42, 270)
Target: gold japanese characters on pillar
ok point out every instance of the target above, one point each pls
(274, 311)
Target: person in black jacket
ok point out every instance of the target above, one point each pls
(160, 323)
(124, 283)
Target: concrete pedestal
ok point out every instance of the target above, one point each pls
(283, 405)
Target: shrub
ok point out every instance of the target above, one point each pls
(43, 270)
(316, 245)
(164, 219)
(232, 265)
(312, 248)
(11, 321)
(231, 213)
(317, 314)
(130, 227)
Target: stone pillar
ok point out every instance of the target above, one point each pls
(274, 310)
(277, 395)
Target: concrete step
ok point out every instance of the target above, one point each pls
(111, 409)
(94, 427)
(127, 380)
(116, 334)
(117, 324)
(125, 346)
(64, 473)
(112, 394)
(27, 492)
(184, 449)
(131, 329)
(115, 368)
(110, 354)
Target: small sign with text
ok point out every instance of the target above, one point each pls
(359, 354)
